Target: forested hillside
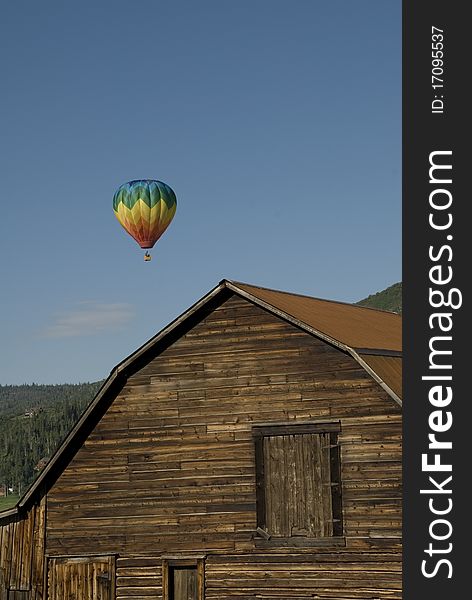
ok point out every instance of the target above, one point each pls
(388, 299)
(34, 419)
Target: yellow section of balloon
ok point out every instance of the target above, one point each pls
(145, 224)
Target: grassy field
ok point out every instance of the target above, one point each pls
(8, 502)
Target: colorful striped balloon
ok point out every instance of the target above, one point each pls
(145, 208)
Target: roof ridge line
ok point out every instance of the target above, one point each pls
(236, 283)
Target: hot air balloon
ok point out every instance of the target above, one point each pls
(145, 208)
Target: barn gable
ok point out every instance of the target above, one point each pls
(310, 314)
(161, 476)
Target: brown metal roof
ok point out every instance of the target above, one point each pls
(388, 368)
(355, 326)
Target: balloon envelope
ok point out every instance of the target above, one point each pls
(145, 208)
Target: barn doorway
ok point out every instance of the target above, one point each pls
(183, 579)
(183, 583)
(81, 578)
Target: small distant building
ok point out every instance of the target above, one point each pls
(32, 412)
(251, 449)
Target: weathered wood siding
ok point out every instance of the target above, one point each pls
(22, 555)
(170, 467)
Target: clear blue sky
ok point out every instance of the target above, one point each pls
(277, 124)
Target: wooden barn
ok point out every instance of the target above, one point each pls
(250, 450)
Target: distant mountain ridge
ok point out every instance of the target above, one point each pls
(388, 299)
(34, 419)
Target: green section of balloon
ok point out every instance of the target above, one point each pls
(145, 208)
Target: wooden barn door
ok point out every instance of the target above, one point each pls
(183, 583)
(183, 579)
(83, 578)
